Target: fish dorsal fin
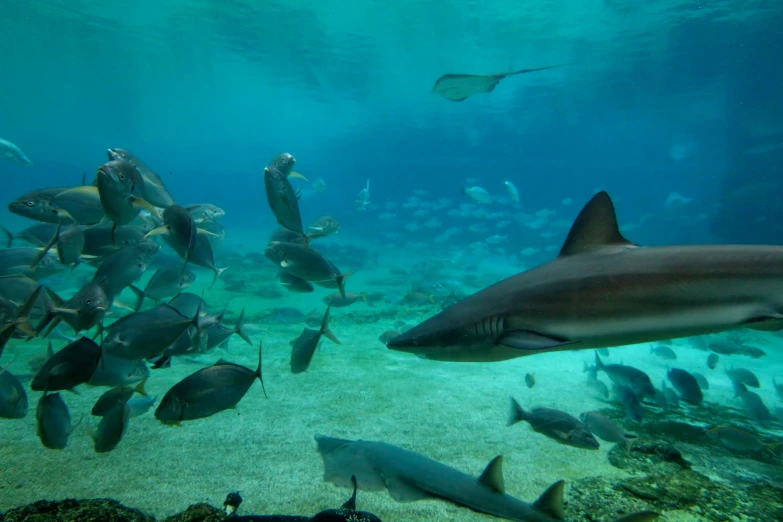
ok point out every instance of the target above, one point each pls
(551, 501)
(595, 228)
(492, 477)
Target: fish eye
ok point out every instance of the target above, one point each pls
(122, 177)
(88, 301)
(30, 203)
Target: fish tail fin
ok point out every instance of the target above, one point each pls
(113, 234)
(340, 280)
(551, 501)
(639, 516)
(325, 331)
(47, 247)
(599, 365)
(8, 236)
(196, 319)
(218, 271)
(22, 321)
(50, 318)
(139, 297)
(258, 370)
(516, 413)
(239, 329)
(140, 387)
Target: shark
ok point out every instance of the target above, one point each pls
(604, 291)
(409, 476)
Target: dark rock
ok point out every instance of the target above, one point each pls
(70, 510)
(198, 513)
(648, 456)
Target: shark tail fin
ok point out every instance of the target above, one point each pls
(350, 504)
(599, 364)
(551, 501)
(516, 414)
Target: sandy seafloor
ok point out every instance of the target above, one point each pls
(454, 413)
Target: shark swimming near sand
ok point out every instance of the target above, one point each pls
(605, 291)
(410, 476)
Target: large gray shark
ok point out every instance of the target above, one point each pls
(410, 476)
(603, 291)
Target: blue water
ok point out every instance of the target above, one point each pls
(662, 97)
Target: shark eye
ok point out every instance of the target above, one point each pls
(30, 203)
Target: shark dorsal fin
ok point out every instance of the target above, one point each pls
(551, 501)
(492, 477)
(595, 228)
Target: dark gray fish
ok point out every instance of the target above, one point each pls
(724, 347)
(124, 266)
(111, 428)
(37, 235)
(84, 310)
(20, 324)
(323, 226)
(410, 476)
(165, 282)
(146, 334)
(180, 231)
(98, 243)
(629, 399)
(205, 212)
(623, 375)
(459, 87)
(19, 288)
(704, 384)
(746, 377)
(37, 205)
(208, 391)
(217, 333)
(69, 244)
(530, 380)
(115, 396)
(712, 360)
(305, 345)
(201, 255)
(188, 304)
(671, 401)
(293, 283)
(115, 371)
(154, 190)
(603, 428)
(28, 262)
(549, 308)
(753, 405)
(555, 424)
(663, 351)
(740, 440)
(283, 235)
(306, 263)
(121, 190)
(338, 301)
(53, 421)
(686, 385)
(81, 205)
(68, 368)
(280, 193)
(13, 398)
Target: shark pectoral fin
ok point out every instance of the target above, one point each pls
(551, 501)
(401, 491)
(530, 340)
(766, 323)
(492, 477)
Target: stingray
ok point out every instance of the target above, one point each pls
(410, 476)
(458, 87)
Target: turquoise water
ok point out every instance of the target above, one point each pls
(673, 108)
